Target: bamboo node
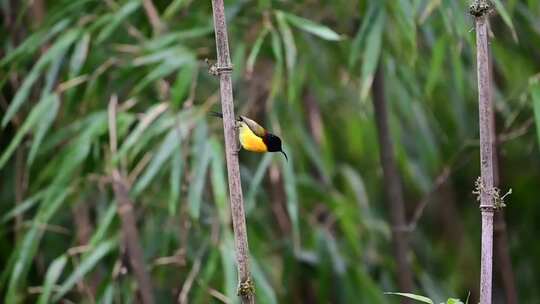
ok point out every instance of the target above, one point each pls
(494, 193)
(480, 8)
(246, 288)
(215, 70)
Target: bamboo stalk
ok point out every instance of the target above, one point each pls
(83, 232)
(224, 69)
(130, 234)
(480, 10)
(153, 16)
(393, 186)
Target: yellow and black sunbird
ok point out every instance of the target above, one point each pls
(255, 138)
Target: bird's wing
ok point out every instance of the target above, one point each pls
(255, 127)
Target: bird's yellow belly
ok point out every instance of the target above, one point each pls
(250, 141)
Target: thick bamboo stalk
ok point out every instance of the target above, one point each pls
(480, 9)
(224, 69)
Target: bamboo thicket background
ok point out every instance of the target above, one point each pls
(102, 93)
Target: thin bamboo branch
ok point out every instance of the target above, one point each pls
(21, 183)
(153, 16)
(130, 234)
(83, 232)
(480, 10)
(224, 69)
(37, 13)
(393, 186)
(131, 238)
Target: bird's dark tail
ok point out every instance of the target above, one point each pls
(220, 115)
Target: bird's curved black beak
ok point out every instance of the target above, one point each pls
(285, 155)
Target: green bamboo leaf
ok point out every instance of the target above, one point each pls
(348, 217)
(118, 17)
(87, 264)
(79, 55)
(175, 181)
(436, 64)
(108, 295)
(63, 135)
(27, 249)
(278, 55)
(196, 190)
(359, 40)
(370, 58)
(103, 226)
(182, 84)
(288, 42)
(164, 69)
(58, 48)
(132, 139)
(59, 171)
(173, 8)
(292, 197)
(314, 154)
(38, 112)
(208, 273)
(202, 155)
(177, 38)
(239, 61)
(228, 263)
(426, 142)
(325, 272)
(161, 55)
(412, 296)
(506, 18)
(428, 10)
(153, 132)
(403, 12)
(53, 273)
(265, 292)
(276, 48)
(535, 93)
(52, 73)
(371, 292)
(357, 185)
(256, 180)
(168, 146)
(23, 206)
(43, 125)
(311, 27)
(33, 42)
(219, 184)
(77, 151)
(252, 57)
(454, 301)
(338, 262)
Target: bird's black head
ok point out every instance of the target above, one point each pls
(273, 143)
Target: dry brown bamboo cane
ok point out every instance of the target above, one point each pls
(224, 69)
(480, 10)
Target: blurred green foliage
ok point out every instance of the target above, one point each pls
(317, 224)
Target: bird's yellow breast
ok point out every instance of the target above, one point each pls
(249, 140)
